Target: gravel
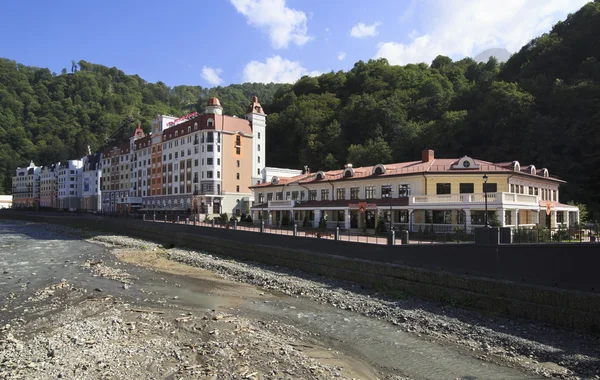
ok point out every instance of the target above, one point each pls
(548, 351)
(103, 339)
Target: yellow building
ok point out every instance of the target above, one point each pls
(442, 194)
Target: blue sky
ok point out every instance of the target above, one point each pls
(200, 42)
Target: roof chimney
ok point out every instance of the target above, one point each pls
(427, 155)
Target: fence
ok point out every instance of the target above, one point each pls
(553, 235)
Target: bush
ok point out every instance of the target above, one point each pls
(207, 219)
(285, 219)
(224, 216)
(248, 219)
(381, 228)
(306, 222)
(561, 235)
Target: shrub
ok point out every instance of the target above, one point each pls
(224, 216)
(285, 219)
(306, 222)
(248, 219)
(381, 227)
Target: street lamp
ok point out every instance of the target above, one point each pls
(485, 178)
(387, 192)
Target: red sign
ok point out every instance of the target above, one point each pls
(362, 206)
(185, 117)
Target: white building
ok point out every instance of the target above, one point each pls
(26, 186)
(91, 199)
(48, 195)
(69, 184)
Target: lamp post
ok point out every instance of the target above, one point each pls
(485, 178)
(387, 192)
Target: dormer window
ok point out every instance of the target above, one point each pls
(189, 129)
(195, 126)
(210, 123)
(516, 166)
(379, 170)
(348, 172)
(320, 176)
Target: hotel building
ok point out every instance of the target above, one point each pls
(442, 194)
(26, 186)
(91, 199)
(68, 179)
(48, 194)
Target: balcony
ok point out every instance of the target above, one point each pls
(207, 192)
(281, 204)
(479, 198)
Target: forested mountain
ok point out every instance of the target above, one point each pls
(47, 117)
(541, 107)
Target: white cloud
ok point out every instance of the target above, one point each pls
(283, 24)
(361, 30)
(275, 69)
(212, 75)
(475, 26)
(341, 55)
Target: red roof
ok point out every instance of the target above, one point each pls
(214, 102)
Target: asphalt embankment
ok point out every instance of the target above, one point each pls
(552, 283)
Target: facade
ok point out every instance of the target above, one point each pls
(202, 163)
(91, 177)
(115, 178)
(439, 194)
(48, 193)
(68, 180)
(6, 201)
(26, 186)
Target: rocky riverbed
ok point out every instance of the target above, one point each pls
(86, 333)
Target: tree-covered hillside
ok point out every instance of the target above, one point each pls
(541, 107)
(47, 117)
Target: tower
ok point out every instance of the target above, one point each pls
(257, 118)
(214, 106)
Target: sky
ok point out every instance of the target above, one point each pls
(220, 42)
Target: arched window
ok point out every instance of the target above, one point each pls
(516, 166)
(532, 170)
(320, 176)
(348, 172)
(195, 126)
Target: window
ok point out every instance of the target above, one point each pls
(258, 159)
(218, 161)
(370, 192)
(467, 188)
(195, 162)
(257, 171)
(403, 190)
(209, 161)
(259, 147)
(261, 197)
(442, 217)
(209, 148)
(210, 138)
(324, 194)
(218, 174)
(183, 153)
(354, 192)
(209, 174)
(443, 188)
(279, 196)
(176, 155)
(493, 187)
(312, 195)
(237, 175)
(269, 197)
(238, 163)
(288, 196)
(237, 150)
(259, 135)
(340, 193)
(237, 188)
(164, 157)
(294, 195)
(218, 148)
(189, 151)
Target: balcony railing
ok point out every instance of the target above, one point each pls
(207, 192)
(492, 198)
(281, 203)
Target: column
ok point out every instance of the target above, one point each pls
(566, 218)
(468, 220)
(317, 219)
(270, 218)
(347, 219)
(501, 216)
(553, 219)
(517, 221)
(410, 219)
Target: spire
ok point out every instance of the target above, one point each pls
(138, 133)
(255, 106)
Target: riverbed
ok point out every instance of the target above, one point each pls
(191, 294)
